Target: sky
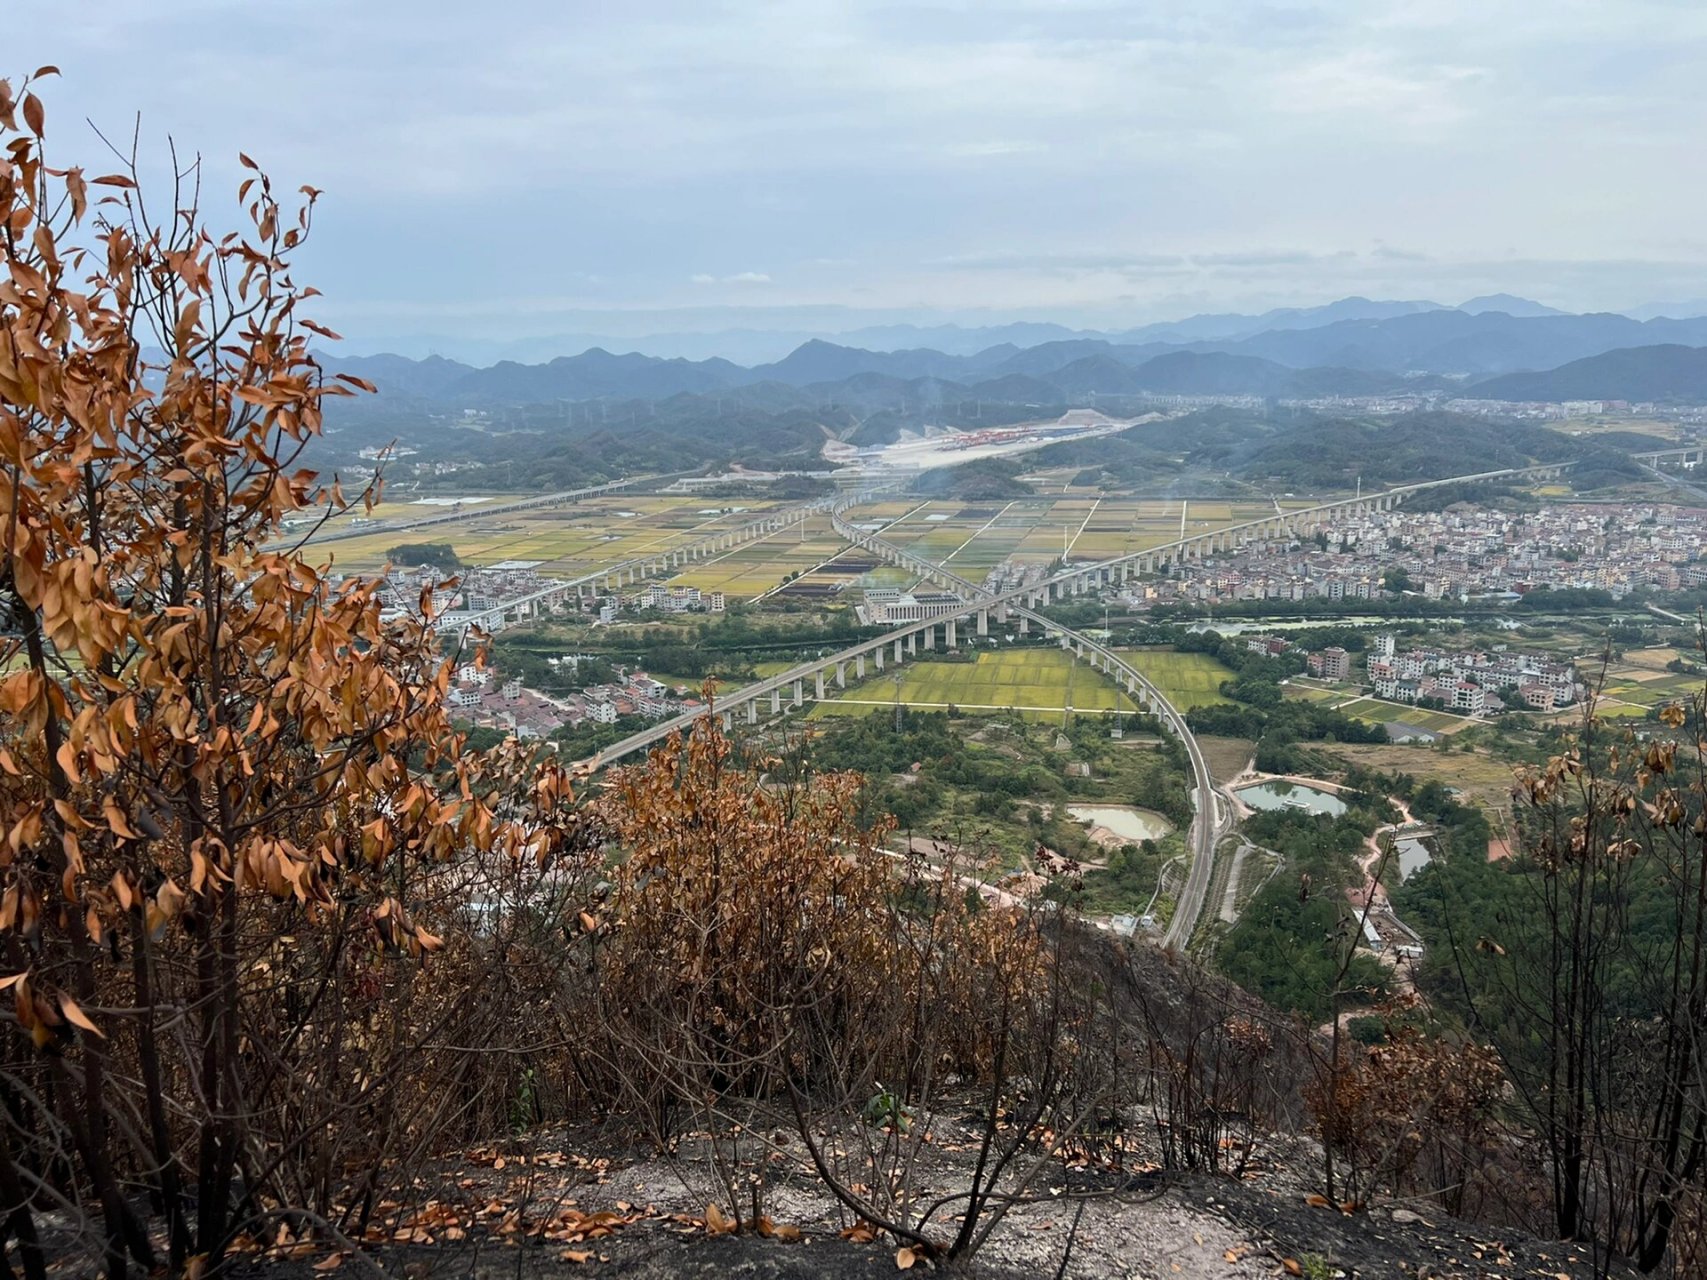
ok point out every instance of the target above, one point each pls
(509, 170)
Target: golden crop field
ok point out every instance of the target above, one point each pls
(565, 541)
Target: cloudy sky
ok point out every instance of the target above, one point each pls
(501, 169)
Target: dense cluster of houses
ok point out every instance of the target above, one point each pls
(1467, 681)
(482, 697)
(1460, 553)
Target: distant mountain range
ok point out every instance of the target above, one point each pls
(1664, 373)
(1300, 353)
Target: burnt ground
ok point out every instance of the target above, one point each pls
(535, 1211)
(1165, 1236)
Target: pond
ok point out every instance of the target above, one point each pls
(1413, 856)
(1126, 822)
(1291, 795)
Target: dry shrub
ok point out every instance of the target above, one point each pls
(761, 950)
(1414, 1115)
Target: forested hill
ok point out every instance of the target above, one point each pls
(1353, 356)
(1661, 373)
(1309, 453)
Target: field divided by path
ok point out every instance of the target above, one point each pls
(570, 540)
(974, 537)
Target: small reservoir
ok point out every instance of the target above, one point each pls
(1291, 795)
(1126, 822)
(1413, 856)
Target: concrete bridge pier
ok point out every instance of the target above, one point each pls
(818, 680)
(752, 711)
(949, 640)
(1024, 625)
(859, 665)
(877, 653)
(800, 693)
(898, 657)
(728, 722)
(841, 675)
(983, 622)
(776, 702)
(930, 639)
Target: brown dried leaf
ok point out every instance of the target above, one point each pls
(76, 1017)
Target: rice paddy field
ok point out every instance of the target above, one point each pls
(972, 538)
(1379, 711)
(823, 564)
(806, 562)
(1035, 681)
(1640, 682)
(1038, 683)
(1186, 679)
(590, 534)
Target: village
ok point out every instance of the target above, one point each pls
(1457, 554)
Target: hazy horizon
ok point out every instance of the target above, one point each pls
(520, 172)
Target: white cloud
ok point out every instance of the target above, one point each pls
(1012, 154)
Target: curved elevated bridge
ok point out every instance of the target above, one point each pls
(1210, 816)
(1021, 603)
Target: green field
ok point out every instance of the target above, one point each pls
(1035, 682)
(1186, 679)
(1377, 711)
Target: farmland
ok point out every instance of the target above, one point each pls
(806, 562)
(1186, 679)
(1037, 682)
(582, 537)
(1377, 710)
(1639, 681)
(972, 538)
